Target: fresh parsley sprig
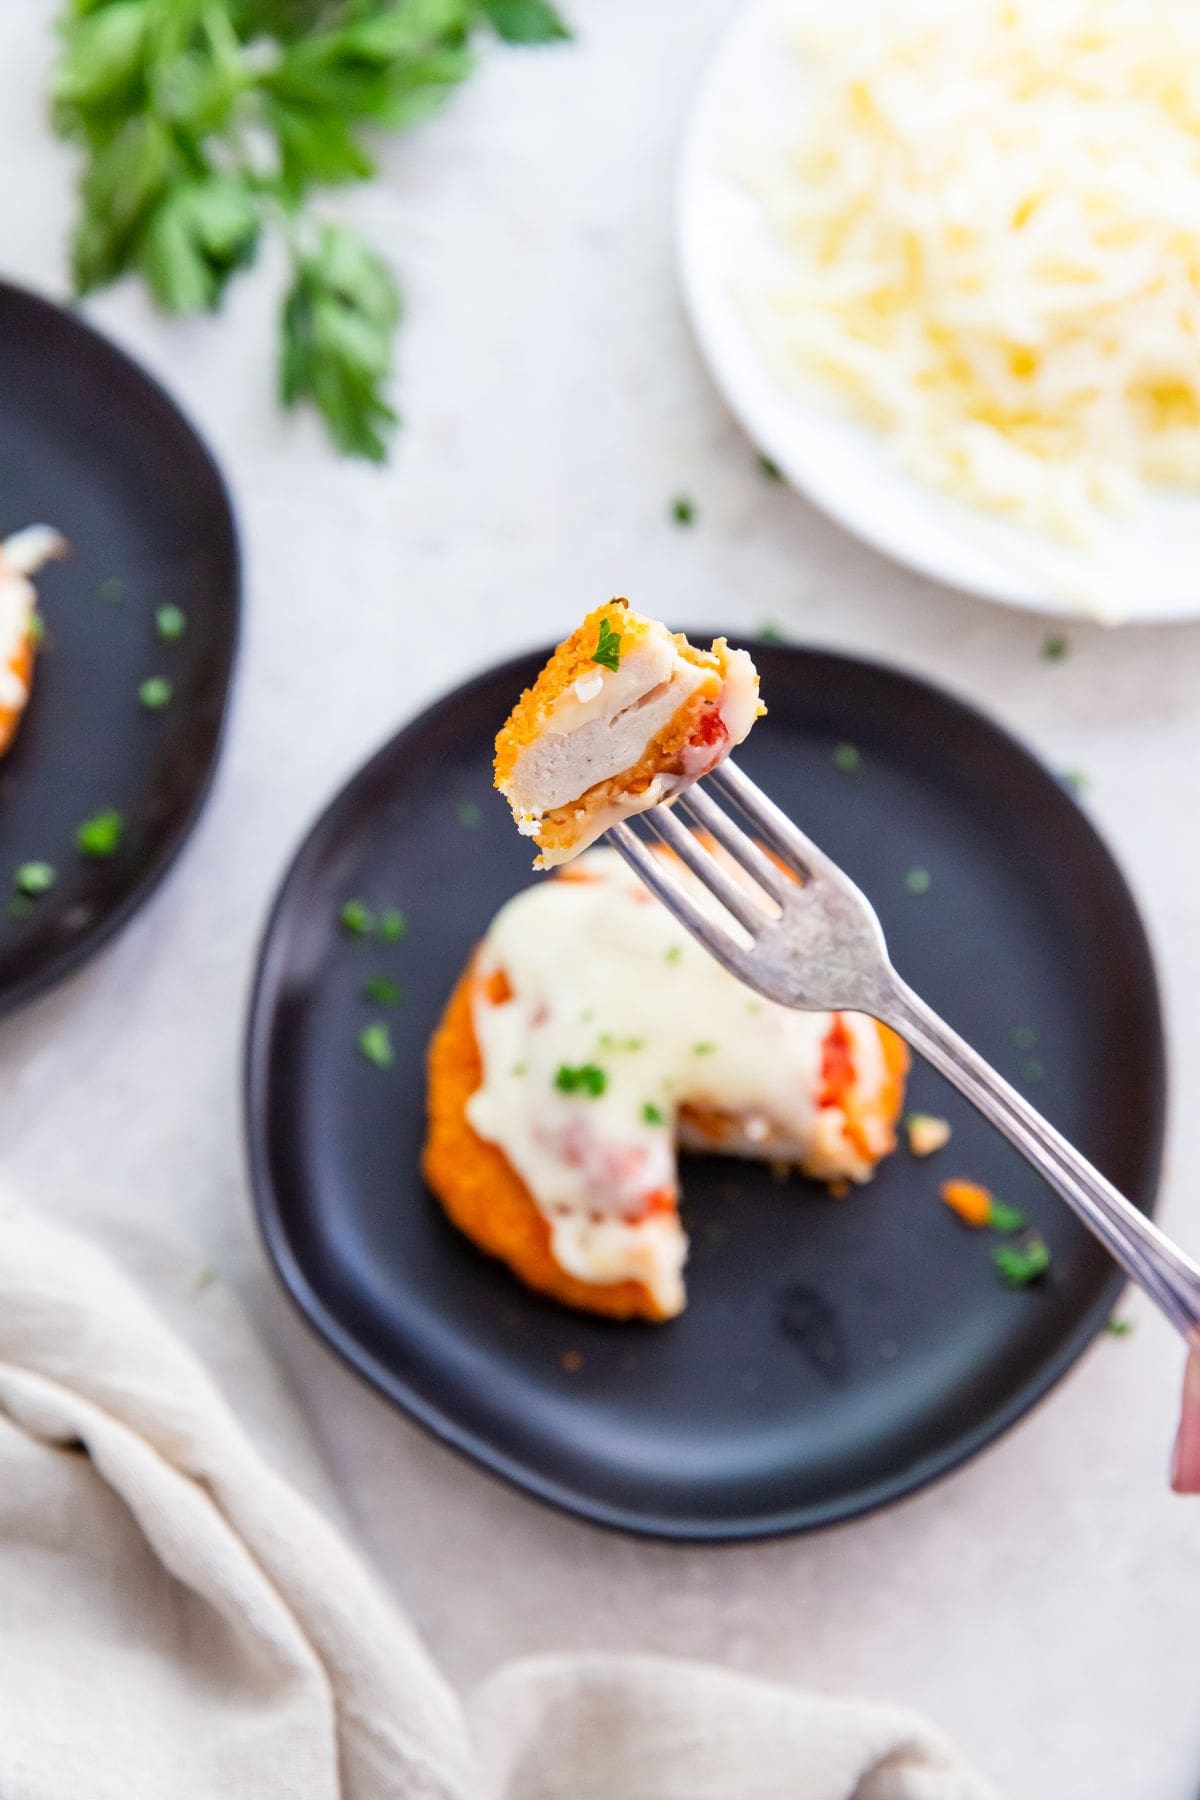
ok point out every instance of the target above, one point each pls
(207, 124)
(608, 646)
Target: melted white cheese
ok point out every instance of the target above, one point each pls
(602, 976)
(983, 226)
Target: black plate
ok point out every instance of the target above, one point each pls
(834, 1354)
(90, 444)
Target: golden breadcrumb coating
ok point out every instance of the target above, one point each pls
(573, 658)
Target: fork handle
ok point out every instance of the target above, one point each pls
(1145, 1253)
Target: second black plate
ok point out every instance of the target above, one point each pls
(90, 444)
(834, 1354)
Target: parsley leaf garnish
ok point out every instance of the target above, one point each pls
(35, 878)
(918, 881)
(683, 510)
(357, 918)
(393, 926)
(587, 1079)
(847, 758)
(703, 1049)
(170, 622)
(1020, 1264)
(100, 836)
(673, 953)
(653, 1115)
(1005, 1218)
(1119, 1327)
(383, 991)
(770, 469)
(608, 647)
(525, 21)
(1055, 648)
(375, 1043)
(469, 815)
(338, 319)
(155, 693)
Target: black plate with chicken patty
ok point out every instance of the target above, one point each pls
(834, 1354)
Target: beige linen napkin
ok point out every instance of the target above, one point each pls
(177, 1623)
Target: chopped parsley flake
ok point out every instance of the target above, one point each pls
(519, 1069)
(674, 952)
(393, 926)
(586, 1079)
(35, 878)
(769, 634)
(653, 1115)
(847, 758)
(112, 589)
(1020, 1264)
(100, 836)
(918, 881)
(37, 630)
(1075, 781)
(170, 622)
(375, 1043)
(1119, 1327)
(205, 1279)
(770, 469)
(1024, 1037)
(469, 815)
(155, 693)
(357, 918)
(608, 647)
(606, 1041)
(383, 991)
(683, 510)
(703, 1049)
(1005, 1218)
(1055, 648)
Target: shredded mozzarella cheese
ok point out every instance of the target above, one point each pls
(987, 217)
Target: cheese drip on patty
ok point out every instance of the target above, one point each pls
(606, 1033)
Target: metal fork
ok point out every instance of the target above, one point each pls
(810, 939)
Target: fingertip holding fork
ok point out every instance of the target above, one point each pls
(805, 936)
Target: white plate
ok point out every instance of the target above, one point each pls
(1144, 569)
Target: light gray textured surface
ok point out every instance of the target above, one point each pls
(1040, 1604)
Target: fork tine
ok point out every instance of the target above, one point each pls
(705, 867)
(806, 857)
(709, 816)
(656, 873)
